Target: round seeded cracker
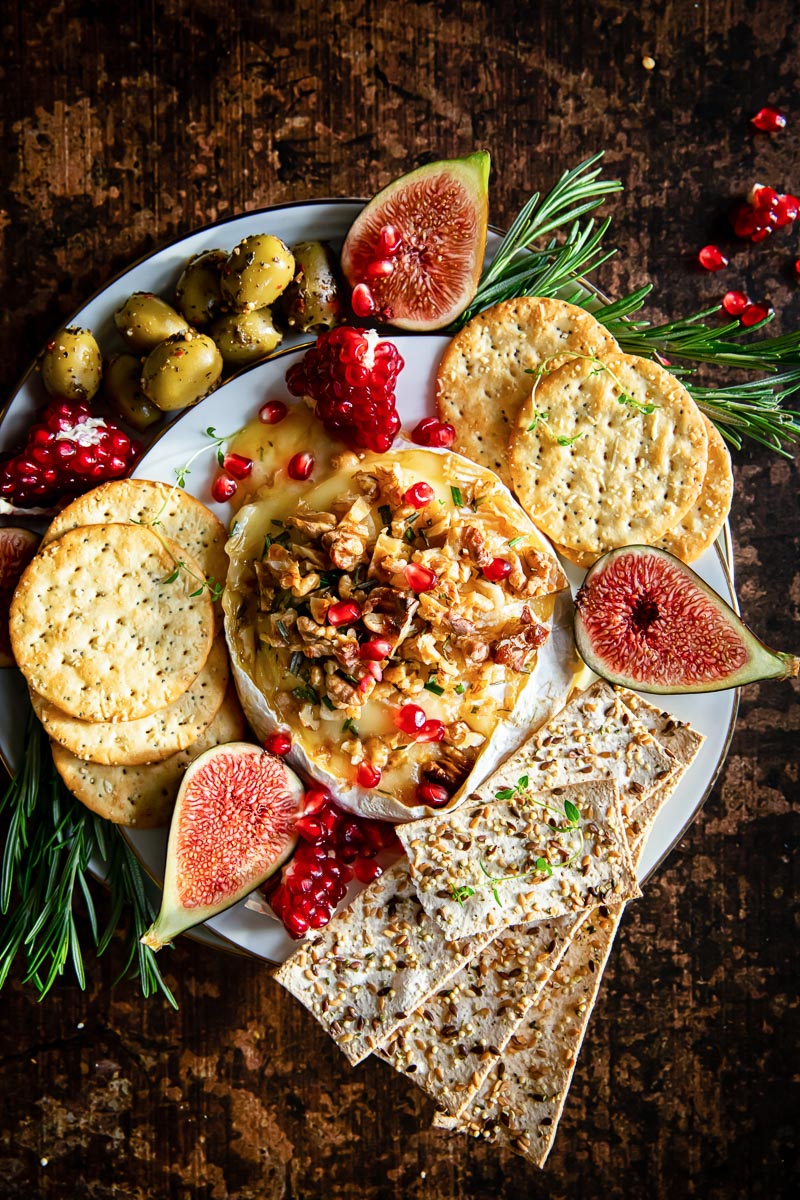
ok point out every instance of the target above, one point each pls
(700, 526)
(483, 378)
(144, 796)
(150, 739)
(608, 454)
(106, 626)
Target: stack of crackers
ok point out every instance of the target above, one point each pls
(603, 449)
(473, 964)
(114, 627)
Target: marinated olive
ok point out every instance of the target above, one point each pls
(245, 337)
(123, 392)
(144, 320)
(181, 370)
(72, 365)
(312, 302)
(198, 293)
(256, 273)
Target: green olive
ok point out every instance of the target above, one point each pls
(256, 273)
(198, 294)
(243, 338)
(312, 302)
(72, 365)
(144, 320)
(123, 392)
(181, 370)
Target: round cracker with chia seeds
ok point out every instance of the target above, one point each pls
(110, 623)
(150, 739)
(701, 525)
(144, 796)
(484, 376)
(608, 453)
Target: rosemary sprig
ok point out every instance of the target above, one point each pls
(51, 839)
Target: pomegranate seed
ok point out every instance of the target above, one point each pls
(278, 743)
(711, 258)
(755, 313)
(320, 917)
(797, 267)
(768, 120)
(312, 830)
(432, 794)
(419, 495)
(497, 569)
(389, 240)
(345, 612)
(368, 775)
(237, 465)
(765, 198)
(419, 578)
(380, 268)
(279, 900)
(410, 718)
(431, 432)
(734, 303)
(366, 869)
(272, 412)
(746, 220)
(315, 799)
(296, 925)
(788, 209)
(301, 465)
(223, 488)
(362, 301)
(760, 234)
(375, 649)
(432, 731)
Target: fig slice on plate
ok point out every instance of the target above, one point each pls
(645, 620)
(233, 826)
(413, 255)
(17, 548)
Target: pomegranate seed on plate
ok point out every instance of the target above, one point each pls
(300, 465)
(296, 924)
(497, 569)
(367, 870)
(420, 578)
(375, 649)
(410, 718)
(278, 743)
(362, 301)
(432, 794)
(368, 775)
(432, 432)
(419, 495)
(734, 303)
(768, 120)
(223, 488)
(272, 412)
(344, 612)
(711, 258)
(432, 731)
(754, 313)
(237, 465)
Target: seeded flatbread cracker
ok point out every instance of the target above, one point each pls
(144, 796)
(700, 526)
(482, 379)
(526, 856)
(150, 739)
(180, 516)
(593, 468)
(106, 627)
(374, 964)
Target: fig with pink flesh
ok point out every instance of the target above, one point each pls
(645, 620)
(17, 548)
(233, 826)
(414, 254)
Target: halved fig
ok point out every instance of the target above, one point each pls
(17, 548)
(645, 620)
(414, 254)
(233, 826)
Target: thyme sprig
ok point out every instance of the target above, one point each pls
(217, 442)
(50, 842)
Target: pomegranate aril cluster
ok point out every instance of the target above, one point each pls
(334, 848)
(764, 211)
(350, 375)
(67, 451)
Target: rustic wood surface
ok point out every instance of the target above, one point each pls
(125, 125)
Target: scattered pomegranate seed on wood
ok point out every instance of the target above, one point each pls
(768, 120)
(711, 258)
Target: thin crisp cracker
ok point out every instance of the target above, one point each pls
(105, 624)
(526, 856)
(144, 796)
(608, 454)
(484, 376)
(150, 739)
(701, 525)
(377, 961)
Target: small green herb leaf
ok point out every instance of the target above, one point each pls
(433, 686)
(455, 492)
(573, 813)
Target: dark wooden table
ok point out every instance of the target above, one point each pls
(125, 125)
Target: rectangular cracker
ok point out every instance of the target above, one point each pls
(521, 858)
(377, 961)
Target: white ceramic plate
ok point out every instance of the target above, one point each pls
(230, 407)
